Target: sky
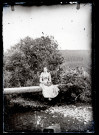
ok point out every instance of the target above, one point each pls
(70, 27)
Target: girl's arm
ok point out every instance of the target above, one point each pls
(41, 78)
(49, 78)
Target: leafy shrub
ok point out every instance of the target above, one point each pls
(77, 85)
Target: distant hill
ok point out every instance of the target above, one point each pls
(74, 58)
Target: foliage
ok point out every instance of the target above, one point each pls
(24, 62)
(77, 85)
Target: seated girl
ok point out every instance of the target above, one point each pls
(48, 89)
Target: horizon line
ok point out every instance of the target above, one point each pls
(74, 49)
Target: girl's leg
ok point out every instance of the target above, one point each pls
(49, 99)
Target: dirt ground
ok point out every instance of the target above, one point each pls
(57, 118)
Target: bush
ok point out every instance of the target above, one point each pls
(77, 85)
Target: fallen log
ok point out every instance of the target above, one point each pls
(17, 90)
(22, 90)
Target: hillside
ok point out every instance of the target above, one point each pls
(75, 58)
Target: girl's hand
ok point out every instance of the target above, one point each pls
(44, 83)
(49, 82)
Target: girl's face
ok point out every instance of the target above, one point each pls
(45, 69)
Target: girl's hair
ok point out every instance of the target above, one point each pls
(45, 67)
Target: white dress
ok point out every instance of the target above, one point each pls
(48, 91)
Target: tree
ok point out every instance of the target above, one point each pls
(24, 62)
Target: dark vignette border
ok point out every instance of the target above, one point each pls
(93, 46)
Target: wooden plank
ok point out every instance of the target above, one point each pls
(22, 90)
